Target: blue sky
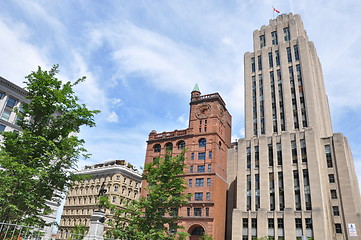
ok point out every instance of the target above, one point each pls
(142, 59)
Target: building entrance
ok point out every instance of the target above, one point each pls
(196, 232)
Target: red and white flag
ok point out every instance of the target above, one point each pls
(277, 11)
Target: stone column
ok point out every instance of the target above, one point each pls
(96, 228)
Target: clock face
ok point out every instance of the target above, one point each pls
(203, 110)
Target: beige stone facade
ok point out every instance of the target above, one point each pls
(120, 179)
(291, 177)
(206, 139)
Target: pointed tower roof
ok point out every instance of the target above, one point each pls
(196, 88)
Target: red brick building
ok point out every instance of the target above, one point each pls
(207, 139)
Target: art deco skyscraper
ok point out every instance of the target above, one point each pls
(291, 177)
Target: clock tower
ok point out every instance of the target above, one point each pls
(206, 139)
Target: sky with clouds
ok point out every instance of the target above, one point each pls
(142, 59)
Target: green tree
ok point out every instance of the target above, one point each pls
(37, 162)
(206, 237)
(78, 232)
(154, 217)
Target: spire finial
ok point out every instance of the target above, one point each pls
(196, 88)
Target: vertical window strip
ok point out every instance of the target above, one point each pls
(261, 98)
(280, 94)
(274, 109)
(294, 101)
(302, 97)
(281, 191)
(306, 184)
(296, 183)
(254, 97)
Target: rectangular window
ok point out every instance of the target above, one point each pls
(338, 227)
(270, 59)
(280, 223)
(210, 155)
(2, 128)
(286, 32)
(200, 168)
(335, 211)
(253, 64)
(328, 156)
(248, 157)
(190, 182)
(259, 62)
(114, 200)
(201, 156)
(198, 196)
(6, 115)
(331, 178)
(257, 192)
(245, 223)
(308, 223)
(277, 57)
(296, 183)
(192, 156)
(274, 38)
(333, 194)
(248, 192)
(208, 196)
(262, 41)
(191, 169)
(294, 151)
(197, 212)
(199, 182)
(209, 167)
(256, 156)
(11, 102)
(279, 154)
(297, 56)
(272, 191)
(303, 150)
(298, 222)
(289, 55)
(270, 155)
(281, 192)
(208, 182)
(271, 223)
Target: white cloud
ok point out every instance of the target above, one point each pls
(112, 117)
(117, 102)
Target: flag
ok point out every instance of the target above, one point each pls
(277, 11)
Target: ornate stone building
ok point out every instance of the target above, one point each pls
(291, 177)
(207, 139)
(121, 182)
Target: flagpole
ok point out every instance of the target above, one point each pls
(273, 12)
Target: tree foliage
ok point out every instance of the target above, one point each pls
(37, 161)
(153, 217)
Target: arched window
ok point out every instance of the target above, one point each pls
(202, 142)
(181, 144)
(198, 231)
(169, 146)
(157, 148)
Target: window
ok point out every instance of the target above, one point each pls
(253, 64)
(287, 34)
(188, 212)
(210, 155)
(208, 196)
(169, 146)
(338, 228)
(199, 182)
(297, 56)
(209, 167)
(328, 156)
(200, 168)
(114, 200)
(256, 156)
(294, 151)
(248, 157)
(289, 55)
(279, 154)
(1, 95)
(274, 38)
(116, 188)
(277, 58)
(189, 197)
(335, 211)
(157, 148)
(270, 59)
(198, 196)
(191, 169)
(308, 223)
(2, 128)
(257, 192)
(190, 182)
(201, 156)
(254, 223)
(331, 178)
(271, 223)
(11, 102)
(259, 62)
(208, 182)
(270, 155)
(298, 222)
(6, 115)
(245, 223)
(262, 41)
(333, 194)
(207, 212)
(280, 222)
(202, 142)
(174, 212)
(303, 150)
(192, 156)
(181, 144)
(198, 212)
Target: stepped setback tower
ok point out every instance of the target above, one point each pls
(291, 177)
(207, 139)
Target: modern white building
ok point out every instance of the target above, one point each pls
(291, 177)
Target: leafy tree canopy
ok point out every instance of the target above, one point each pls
(154, 217)
(37, 162)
